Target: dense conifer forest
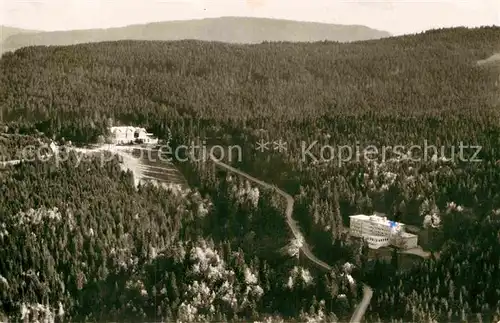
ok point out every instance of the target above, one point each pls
(81, 242)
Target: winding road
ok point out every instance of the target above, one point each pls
(289, 210)
(367, 291)
(361, 308)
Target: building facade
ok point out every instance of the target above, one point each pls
(378, 231)
(129, 135)
(410, 240)
(376, 242)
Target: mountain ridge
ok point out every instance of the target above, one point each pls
(224, 29)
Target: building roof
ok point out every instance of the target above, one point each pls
(412, 228)
(123, 129)
(360, 217)
(408, 235)
(377, 219)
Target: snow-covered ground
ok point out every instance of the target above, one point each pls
(145, 169)
(128, 161)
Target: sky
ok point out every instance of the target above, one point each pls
(397, 17)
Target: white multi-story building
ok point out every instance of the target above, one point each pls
(380, 232)
(129, 135)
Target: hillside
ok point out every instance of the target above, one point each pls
(412, 75)
(226, 29)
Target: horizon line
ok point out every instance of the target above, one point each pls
(30, 30)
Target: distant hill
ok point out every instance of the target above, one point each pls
(6, 32)
(225, 29)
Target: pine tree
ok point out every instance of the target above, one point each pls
(337, 223)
